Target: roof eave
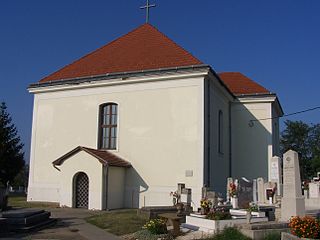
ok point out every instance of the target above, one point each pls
(123, 75)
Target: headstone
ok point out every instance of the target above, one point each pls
(229, 181)
(275, 173)
(255, 191)
(186, 196)
(292, 203)
(181, 186)
(213, 197)
(204, 192)
(245, 193)
(260, 190)
(314, 190)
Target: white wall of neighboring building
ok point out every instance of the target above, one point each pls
(160, 132)
(252, 142)
(116, 187)
(80, 162)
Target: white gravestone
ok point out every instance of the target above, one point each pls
(275, 173)
(260, 190)
(292, 203)
(314, 190)
(255, 191)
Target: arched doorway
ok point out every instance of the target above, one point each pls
(81, 190)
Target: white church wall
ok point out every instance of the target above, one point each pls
(116, 187)
(219, 158)
(160, 130)
(81, 162)
(251, 142)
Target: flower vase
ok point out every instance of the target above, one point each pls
(234, 202)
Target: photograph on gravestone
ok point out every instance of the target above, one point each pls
(269, 195)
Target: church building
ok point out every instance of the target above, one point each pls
(123, 125)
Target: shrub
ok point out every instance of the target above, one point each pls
(230, 234)
(307, 227)
(156, 226)
(146, 235)
(218, 214)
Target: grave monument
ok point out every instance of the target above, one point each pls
(292, 200)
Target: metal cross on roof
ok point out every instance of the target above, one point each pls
(147, 7)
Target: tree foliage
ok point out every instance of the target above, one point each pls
(11, 154)
(304, 139)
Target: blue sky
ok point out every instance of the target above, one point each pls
(276, 43)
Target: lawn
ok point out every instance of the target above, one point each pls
(21, 202)
(118, 222)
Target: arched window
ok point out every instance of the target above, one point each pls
(108, 126)
(220, 132)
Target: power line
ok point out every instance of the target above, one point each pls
(285, 115)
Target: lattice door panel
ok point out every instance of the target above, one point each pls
(82, 191)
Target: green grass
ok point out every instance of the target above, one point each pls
(21, 202)
(118, 222)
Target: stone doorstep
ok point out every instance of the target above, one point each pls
(22, 213)
(27, 221)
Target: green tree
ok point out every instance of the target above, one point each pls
(304, 139)
(315, 148)
(11, 154)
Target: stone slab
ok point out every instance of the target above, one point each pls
(39, 226)
(262, 234)
(21, 213)
(30, 220)
(153, 212)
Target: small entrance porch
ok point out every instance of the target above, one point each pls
(91, 179)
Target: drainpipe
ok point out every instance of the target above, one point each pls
(230, 141)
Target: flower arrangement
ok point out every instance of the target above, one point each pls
(218, 213)
(205, 204)
(175, 197)
(253, 207)
(156, 226)
(232, 190)
(306, 227)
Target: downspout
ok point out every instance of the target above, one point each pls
(230, 140)
(105, 186)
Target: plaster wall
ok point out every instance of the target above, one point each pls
(81, 162)
(218, 166)
(251, 143)
(160, 131)
(116, 187)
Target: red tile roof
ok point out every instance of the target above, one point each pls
(104, 156)
(144, 48)
(240, 84)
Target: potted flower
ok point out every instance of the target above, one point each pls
(233, 194)
(205, 204)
